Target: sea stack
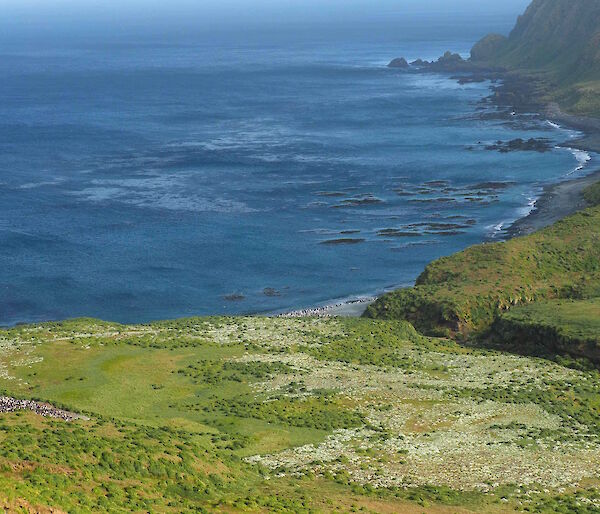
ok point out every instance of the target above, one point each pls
(399, 62)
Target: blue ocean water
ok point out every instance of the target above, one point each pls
(141, 181)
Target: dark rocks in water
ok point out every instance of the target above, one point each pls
(399, 62)
(403, 192)
(471, 79)
(234, 297)
(349, 232)
(393, 232)
(454, 63)
(518, 93)
(444, 232)
(342, 241)
(330, 194)
(450, 58)
(516, 145)
(433, 200)
(359, 201)
(493, 185)
(437, 226)
(270, 291)
(451, 62)
(425, 228)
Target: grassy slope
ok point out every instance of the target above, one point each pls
(556, 327)
(177, 407)
(592, 194)
(467, 291)
(575, 319)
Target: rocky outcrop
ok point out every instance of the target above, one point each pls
(449, 62)
(521, 145)
(8, 404)
(560, 36)
(399, 62)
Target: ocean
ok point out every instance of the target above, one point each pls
(249, 173)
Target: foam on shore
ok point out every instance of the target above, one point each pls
(582, 158)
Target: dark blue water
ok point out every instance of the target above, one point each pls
(140, 181)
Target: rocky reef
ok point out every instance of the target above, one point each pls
(541, 145)
(399, 62)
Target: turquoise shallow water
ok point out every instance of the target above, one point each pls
(141, 182)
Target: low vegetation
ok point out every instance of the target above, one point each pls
(290, 415)
(592, 194)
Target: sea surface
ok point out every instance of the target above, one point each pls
(143, 181)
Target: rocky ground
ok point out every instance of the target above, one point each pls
(8, 404)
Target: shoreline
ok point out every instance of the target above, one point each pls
(556, 202)
(560, 199)
(589, 127)
(344, 309)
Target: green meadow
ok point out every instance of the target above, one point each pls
(282, 415)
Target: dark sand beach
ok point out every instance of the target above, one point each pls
(558, 201)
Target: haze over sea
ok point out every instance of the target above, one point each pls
(237, 171)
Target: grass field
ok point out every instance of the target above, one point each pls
(572, 319)
(303, 415)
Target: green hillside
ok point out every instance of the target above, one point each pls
(464, 294)
(558, 42)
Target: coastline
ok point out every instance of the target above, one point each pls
(556, 202)
(345, 309)
(590, 127)
(561, 199)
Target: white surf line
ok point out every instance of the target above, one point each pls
(496, 229)
(554, 125)
(581, 156)
(523, 212)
